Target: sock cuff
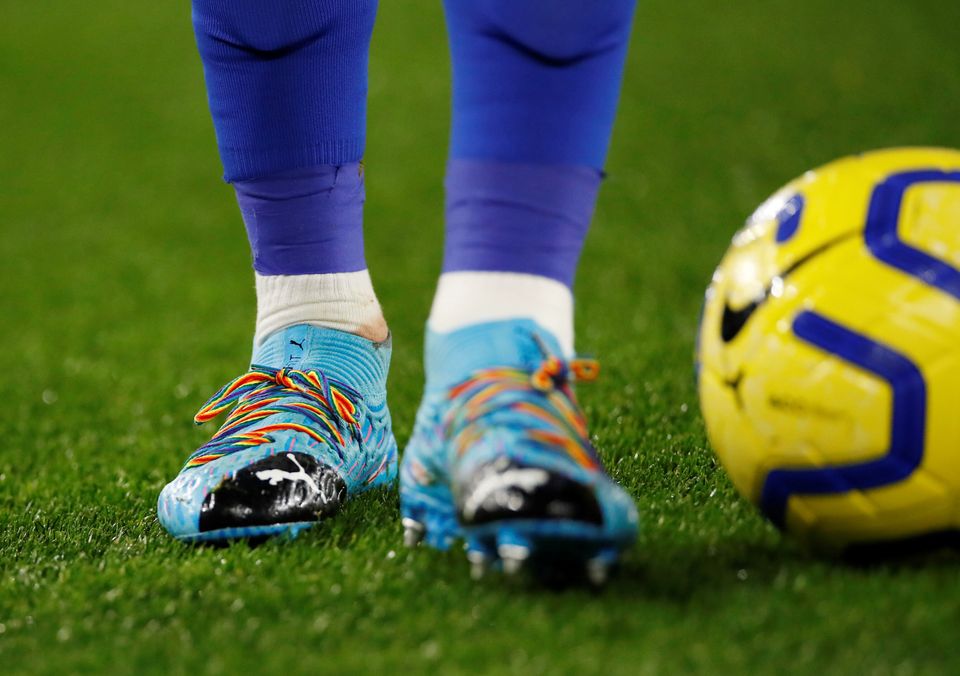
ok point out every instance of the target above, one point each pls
(343, 301)
(356, 284)
(247, 164)
(468, 298)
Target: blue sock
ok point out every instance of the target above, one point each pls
(287, 86)
(286, 81)
(305, 221)
(535, 91)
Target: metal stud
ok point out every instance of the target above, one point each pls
(479, 563)
(598, 571)
(513, 557)
(413, 532)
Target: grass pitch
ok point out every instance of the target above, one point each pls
(127, 299)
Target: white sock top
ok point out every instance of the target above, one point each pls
(344, 301)
(465, 298)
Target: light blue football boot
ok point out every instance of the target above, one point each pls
(309, 427)
(500, 456)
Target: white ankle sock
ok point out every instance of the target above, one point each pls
(465, 298)
(344, 301)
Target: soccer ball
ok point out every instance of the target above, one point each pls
(828, 356)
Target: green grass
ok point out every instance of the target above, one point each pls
(126, 299)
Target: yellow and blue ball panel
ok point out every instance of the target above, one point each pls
(829, 351)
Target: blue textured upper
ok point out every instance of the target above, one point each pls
(479, 406)
(367, 456)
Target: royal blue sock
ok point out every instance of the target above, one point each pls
(286, 81)
(287, 86)
(535, 91)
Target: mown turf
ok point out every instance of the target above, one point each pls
(126, 299)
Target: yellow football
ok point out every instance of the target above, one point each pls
(828, 355)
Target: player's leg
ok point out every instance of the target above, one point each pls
(500, 453)
(308, 424)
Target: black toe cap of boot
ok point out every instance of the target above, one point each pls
(505, 490)
(282, 488)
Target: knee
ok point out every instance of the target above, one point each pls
(560, 30)
(280, 26)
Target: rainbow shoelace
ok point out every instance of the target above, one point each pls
(263, 392)
(545, 398)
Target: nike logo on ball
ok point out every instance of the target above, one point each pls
(732, 321)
